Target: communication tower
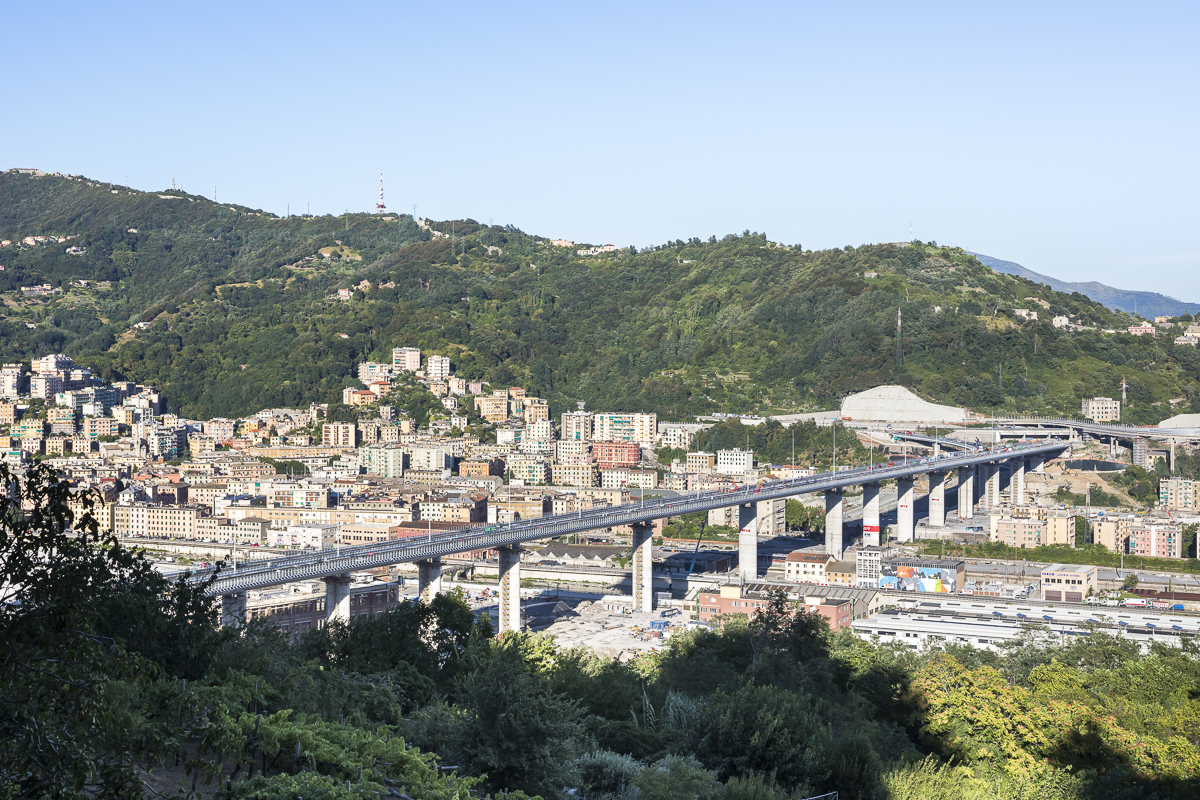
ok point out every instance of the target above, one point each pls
(380, 208)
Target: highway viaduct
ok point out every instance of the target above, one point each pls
(1136, 435)
(335, 568)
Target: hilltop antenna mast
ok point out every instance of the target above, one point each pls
(380, 208)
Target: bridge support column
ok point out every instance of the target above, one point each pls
(966, 493)
(643, 567)
(991, 489)
(1037, 464)
(833, 524)
(904, 509)
(870, 518)
(747, 542)
(510, 588)
(337, 598)
(233, 610)
(1016, 483)
(429, 579)
(937, 499)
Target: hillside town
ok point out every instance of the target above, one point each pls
(294, 479)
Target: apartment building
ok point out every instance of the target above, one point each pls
(51, 364)
(339, 434)
(12, 381)
(298, 496)
(437, 368)
(701, 462)
(572, 451)
(431, 457)
(519, 506)
(678, 435)
(155, 522)
(806, 567)
(462, 511)
(385, 460)
(1157, 541)
(868, 565)
(1113, 531)
(45, 386)
(369, 371)
(1034, 527)
(1180, 494)
(30, 429)
(312, 535)
(493, 407)
(621, 476)
(574, 474)
(640, 428)
(841, 573)
(481, 468)
(529, 470)
(735, 462)
(616, 454)
(205, 494)
(8, 413)
(1102, 409)
(576, 426)
(95, 427)
(163, 441)
(1018, 532)
(406, 359)
(536, 410)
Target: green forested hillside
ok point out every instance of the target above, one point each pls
(245, 315)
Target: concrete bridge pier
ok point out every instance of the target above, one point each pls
(904, 509)
(1016, 482)
(429, 579)
(966, 493)
(337, 598)
(233, 610)
(1037, 464)
(937, 499)
(992, 486)
(833, 524)
(870, 518)
(747, 542)
(510, 587)
(643, 565)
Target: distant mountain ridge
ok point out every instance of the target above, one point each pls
(1148, 304)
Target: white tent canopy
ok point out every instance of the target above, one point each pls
(897, 404)
(1181, 421)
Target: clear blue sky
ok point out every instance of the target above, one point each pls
(1061, 136)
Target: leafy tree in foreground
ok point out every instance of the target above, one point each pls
(70, 712)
